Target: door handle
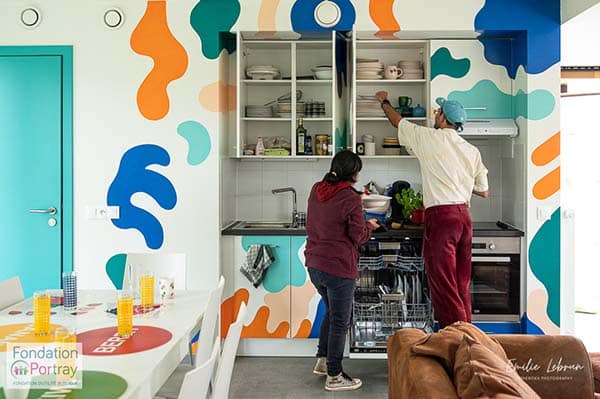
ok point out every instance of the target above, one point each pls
(51, 211)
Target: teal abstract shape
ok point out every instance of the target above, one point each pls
(277, 276)
(115, 269)
(442, 63)
(535, 106)
(198, 139)
(298, 268)
(209, 19)
(544, 259)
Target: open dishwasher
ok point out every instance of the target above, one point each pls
(391, 293)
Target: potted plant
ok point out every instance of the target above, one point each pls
(412, 205)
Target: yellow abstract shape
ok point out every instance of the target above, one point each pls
(547, 185)
(382, 14)
(218, 97)
(266, 18)
(152, 38)
(547, 151)
(537, 302)
(258, 327)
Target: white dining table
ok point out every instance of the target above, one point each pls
(145, 372)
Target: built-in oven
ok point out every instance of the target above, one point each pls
(496, 278)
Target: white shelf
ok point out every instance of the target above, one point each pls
(313, 82)
(267, 119)
(384, 119)
(325, 119)
(388, 157)
(392, 81)
(267, 82)
(286, 157)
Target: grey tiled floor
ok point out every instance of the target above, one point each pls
(292, 378)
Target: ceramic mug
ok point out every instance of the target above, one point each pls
(391, 72)
(369, 148)
(166, 288)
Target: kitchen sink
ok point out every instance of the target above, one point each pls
(265, 225)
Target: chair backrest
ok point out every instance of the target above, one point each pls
(163, 265)
(210, 321)
(11, 292)
(225, 369)
(196, 382)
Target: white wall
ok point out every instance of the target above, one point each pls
(579, 38)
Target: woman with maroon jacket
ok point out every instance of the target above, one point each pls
(336, 226)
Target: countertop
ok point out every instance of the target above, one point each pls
(480, 229)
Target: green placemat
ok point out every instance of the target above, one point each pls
(96, 384)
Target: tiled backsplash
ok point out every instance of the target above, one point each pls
(254, 181)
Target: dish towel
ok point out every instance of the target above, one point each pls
(258, 259)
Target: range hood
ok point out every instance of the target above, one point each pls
(490, 127)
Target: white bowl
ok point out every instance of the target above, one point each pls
(322, 74)
(375, 201)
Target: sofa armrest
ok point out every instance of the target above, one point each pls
(413, 376)
(554, 366)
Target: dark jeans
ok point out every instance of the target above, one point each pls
(338, 295)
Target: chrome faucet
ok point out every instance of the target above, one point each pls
(295, 203)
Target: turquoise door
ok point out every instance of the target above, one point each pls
(34, 96)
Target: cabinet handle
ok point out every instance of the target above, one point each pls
(476, 108)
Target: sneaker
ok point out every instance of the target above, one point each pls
(342, 382)
(321, 366)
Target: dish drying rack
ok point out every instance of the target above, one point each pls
(391, 294)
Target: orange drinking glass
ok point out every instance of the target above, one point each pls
(124, 314)
(41, 313)
(147, 290)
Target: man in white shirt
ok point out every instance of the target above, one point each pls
(451, 170)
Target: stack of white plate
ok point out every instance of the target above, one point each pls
(259, 111)
(367, 108)
(411, 69)
(284, 109)
(263, 72)
(369, 69)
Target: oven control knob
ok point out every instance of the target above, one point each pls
(492, 246)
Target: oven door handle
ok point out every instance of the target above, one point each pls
(491, 259)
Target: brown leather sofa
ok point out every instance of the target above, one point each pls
(416, 376)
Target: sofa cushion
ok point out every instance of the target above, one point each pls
(445, 342)
(595, 359)
(479, 372)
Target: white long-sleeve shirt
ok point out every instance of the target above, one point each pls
(451, 168)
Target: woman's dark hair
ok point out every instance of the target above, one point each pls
(344, 166)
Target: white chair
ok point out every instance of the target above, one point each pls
(197, 381)
(230, 346)
(210, 321)
(162, 265)
(11, 292)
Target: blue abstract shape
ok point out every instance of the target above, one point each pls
(341, 62)
(303, 16)
(209, 19)
(442, 63)
(133, 177)
(316, 327)
(198, 139)
(278, 275)
(538, 49)
(529, 327)
(544, 259)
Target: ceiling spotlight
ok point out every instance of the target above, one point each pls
(113, 18)
(31, 17)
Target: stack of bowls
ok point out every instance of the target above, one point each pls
(284, 109)
(411, 69)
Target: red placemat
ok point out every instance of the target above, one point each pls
(106, 342)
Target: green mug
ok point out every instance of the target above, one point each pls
(404, 101)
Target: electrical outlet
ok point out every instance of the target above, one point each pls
(101, 212)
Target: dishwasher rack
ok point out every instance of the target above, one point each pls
(391, 294)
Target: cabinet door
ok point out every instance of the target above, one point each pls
(307, 308)
(460, 71)
(268, 304)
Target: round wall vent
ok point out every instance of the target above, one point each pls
(113, 18)
(327, 14)
(31, 17)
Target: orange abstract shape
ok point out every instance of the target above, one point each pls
(258, 327)
(218, 97)
(547, 185)
(547, 151)
(152, 38)
(382, 14)
(304, 330)
(266, 18)
(230, 307)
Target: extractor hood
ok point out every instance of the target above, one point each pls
(490, 127)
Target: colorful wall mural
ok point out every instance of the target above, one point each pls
(160, 135)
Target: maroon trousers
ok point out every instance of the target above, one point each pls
(447, 254)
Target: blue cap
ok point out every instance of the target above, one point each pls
(454, 111)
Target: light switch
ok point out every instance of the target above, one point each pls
(101, 212)
(544, 213)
